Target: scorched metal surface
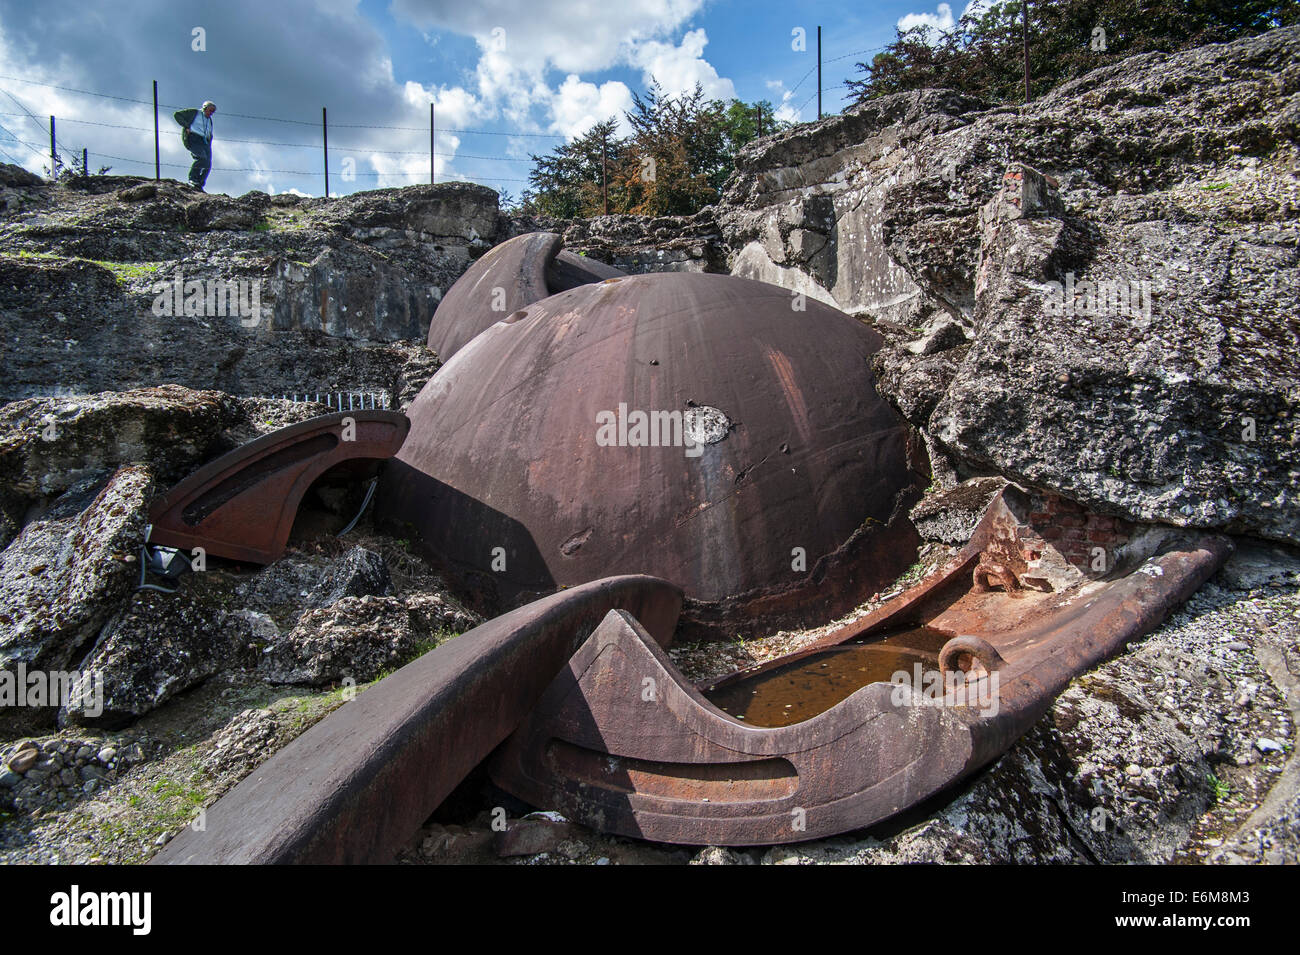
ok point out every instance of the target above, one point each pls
(795, 509)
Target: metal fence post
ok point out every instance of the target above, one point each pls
(157, 156)
(819, 72)
(325, 140)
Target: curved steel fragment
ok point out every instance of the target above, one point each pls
(242, 505)
(673, 766)
(356, 786)
(508, 277)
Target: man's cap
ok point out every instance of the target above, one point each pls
(209, 103)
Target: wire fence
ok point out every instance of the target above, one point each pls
(58, 147)
(329, 167)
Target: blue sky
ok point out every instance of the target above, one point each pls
(509, 77)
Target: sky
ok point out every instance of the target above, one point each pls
(508, 78)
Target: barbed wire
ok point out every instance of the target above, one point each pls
(834, 59)
(424, 174)
(279, 119)
(32, 116)
(341, 147)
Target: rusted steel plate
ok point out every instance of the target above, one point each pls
(674, 767)
(507, 278)
(790, 506)
(671, 767)
(569, 270)
(242, 505)
(356, 786)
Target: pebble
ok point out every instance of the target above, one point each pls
(24, 761)
(1266, 745)
(1238, 645)
(1133, 770)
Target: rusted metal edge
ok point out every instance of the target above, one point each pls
(569, 270)
(508, 277)
(242, 505)
(1041, 667)
(678, 769)
(357, 785)
(669, 766)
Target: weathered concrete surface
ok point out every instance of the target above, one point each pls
(341, 284)
(63, 574)
(640, 244)
(1177, 403)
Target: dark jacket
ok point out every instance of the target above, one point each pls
(186, 118)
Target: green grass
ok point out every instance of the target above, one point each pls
(132, 270)
(1214, 186)
(1222, 791)
(122, 271)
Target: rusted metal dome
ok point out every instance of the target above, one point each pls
(536, 456)
(508, 277)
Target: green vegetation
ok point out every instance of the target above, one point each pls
(121, 270)
(679, 154)
(125, 270)
(1222, 792)
(983, 54)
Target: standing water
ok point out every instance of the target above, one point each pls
(800, 690)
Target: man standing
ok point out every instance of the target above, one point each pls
(196, 136)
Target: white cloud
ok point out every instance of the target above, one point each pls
(578, 105)
(401, 170)
(573, 36)
(783, 110)
(520, 41)
(942, 20)
(678, 68)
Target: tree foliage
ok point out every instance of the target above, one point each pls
(983, 54)
(675, 160)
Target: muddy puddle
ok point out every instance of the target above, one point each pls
(800, 690)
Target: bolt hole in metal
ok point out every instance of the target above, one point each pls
(804, 688)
